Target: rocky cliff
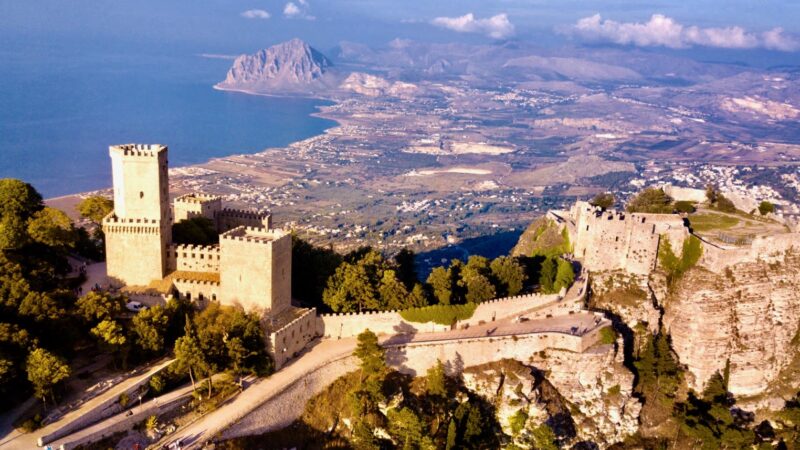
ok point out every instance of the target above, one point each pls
(749, 316)
(583, 397)
(291, 67)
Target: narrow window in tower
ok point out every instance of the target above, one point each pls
(141, 194)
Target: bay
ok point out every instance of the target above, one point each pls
(60, 110)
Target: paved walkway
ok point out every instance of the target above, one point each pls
(326, 351)
(27, 441)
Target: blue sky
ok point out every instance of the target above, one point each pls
(226, 26)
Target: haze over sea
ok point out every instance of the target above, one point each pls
(61, 108)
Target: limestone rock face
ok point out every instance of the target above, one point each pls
(748, 315)
(627, 296)
(289, 67)
(582, 396)
(374, 86)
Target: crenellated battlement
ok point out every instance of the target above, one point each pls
(197, 199)
(253, 234)
(195, 282)
(244, 214)
(142, 150)
(209, 249)
(112, 219)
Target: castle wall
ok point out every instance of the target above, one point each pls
(135, 250)
(416, 358)
(344, 325)
(255, 269)
(292, 338)
(766, 248)
(195, 205)
(613, 240)
(228, 219)
(194, 258)
(200, 292)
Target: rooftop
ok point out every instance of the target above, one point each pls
(252, 234)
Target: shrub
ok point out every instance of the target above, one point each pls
(650, 200)
(684, 207)
(608, 335)
(517, 421)
(765, 208)
(676, 266)
(441, 314)
(123, 399)
(157, 384)
(151, 423)
(614, 390)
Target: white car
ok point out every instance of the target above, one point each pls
(135, 306)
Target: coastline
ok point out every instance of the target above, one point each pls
(68, 202)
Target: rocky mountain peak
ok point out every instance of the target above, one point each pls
(291, 65)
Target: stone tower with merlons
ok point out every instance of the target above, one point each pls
(138, 231)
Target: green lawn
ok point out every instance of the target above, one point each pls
(710, 221)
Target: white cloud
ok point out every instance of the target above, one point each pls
(496, 27)
(255, 14)
(297, 10)
(664, 31)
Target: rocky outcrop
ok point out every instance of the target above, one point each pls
(748, 315)
(291, 67)
(582, 396)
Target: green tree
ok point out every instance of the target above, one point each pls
(13, 232)
(311, 268)
(684, 206)
(393, 292)
(452, 435)
(436, 381)
(111, 334)
(565, 275)
(98, 306)
(237, 353)
(95, 208)
(41, 306)
(150, 327)
(509, 274)
(197, 230)
(406, 267)
(418, 297)
(53, 228)
(45, 371)
(711, 194)
(441, 284)
(650, 200)
(368, 394)
(406, 427)
(475, 279)
(19, 199)
(547, 276)
(604, 200)
(189, 356)
(350, 289)
(765, 208)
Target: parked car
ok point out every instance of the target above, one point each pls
(135, 306)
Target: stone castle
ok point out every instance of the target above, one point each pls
(615, 240)
(250, 267)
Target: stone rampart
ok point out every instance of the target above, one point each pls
(343, 325)
(290, 339)
(229, 218)
(717, 258)
(199, 291)
(416, 358)
(194, 258)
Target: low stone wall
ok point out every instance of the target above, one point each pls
(766, 248)
(199, 291)
(338, 326)
(416, 358)
(293, 337)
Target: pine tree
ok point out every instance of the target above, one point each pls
(547, 276)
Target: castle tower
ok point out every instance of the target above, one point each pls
(255, 269)
(139, 230)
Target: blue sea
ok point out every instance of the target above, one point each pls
(60, 109)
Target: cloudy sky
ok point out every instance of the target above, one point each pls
(245, 25)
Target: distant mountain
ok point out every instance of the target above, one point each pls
(291, 67)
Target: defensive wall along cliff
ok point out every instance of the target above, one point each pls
(414, 358)
(344, 325)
